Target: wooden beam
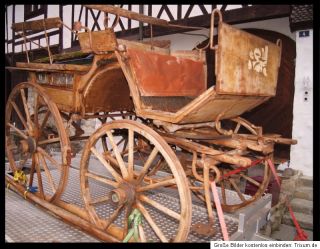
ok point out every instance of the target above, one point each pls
(234, 16)
(129, 14)
(37, 25)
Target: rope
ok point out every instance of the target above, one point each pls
(301, 234)
(20, 176)
(237, 170)
(31, 190)
(134, 219)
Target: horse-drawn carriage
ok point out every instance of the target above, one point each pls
(163, 128)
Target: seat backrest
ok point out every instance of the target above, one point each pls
(100, 41)
(159, 74)
(245, 64)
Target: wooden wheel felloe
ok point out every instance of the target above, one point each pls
(249, 185)
(126, 180)
(117, 116)
(30, 143)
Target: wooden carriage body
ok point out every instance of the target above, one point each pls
(162, 84)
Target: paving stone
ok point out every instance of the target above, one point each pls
(302, 206)
(304, 193)
(306, 181)
(304, 220)
(287, 233)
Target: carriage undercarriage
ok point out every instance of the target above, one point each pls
(154, 136)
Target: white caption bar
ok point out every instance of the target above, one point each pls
(264, 244)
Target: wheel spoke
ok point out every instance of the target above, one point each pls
(156, 185)
(23, 121)
(266, 170)
(237, 128)
(142, 158)
(207, 194)
(142, 234)
(223, 193)
(19, 132)
(117, 144)
(35, 111)
(249, 179)
(112, 218)
(125, 220)
(104, 143)
(236, 188)
(47, 172)
(111, 159)
(49, 141)
(101, 179)
(106, 164)
(99, 200)
(147, 164)
(160, 207)
(40, 186)
(32, 170)
(153, 225)
(45, 119)
(124, 146)
(130, 156)
(156, 168)
(53, 161)
(122, 165)
(25, 105)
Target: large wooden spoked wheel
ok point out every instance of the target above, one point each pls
(115, 183)
(30, 142)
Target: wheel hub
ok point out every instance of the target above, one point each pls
(124, 194)
(28, 145)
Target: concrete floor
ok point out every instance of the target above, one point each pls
(287, 233)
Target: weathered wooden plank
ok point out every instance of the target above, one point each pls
(167, 75)
(129, 14)
(247, 64)
(62, 67)
(63, 56)
(37, 25)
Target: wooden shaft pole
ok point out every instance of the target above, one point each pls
(66, 216)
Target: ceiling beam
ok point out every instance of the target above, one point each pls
(234, 16)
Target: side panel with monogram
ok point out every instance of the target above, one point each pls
(247, 64)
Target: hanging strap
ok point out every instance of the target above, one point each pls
(219, 211)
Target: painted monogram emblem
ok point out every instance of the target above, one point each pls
(258, 60)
